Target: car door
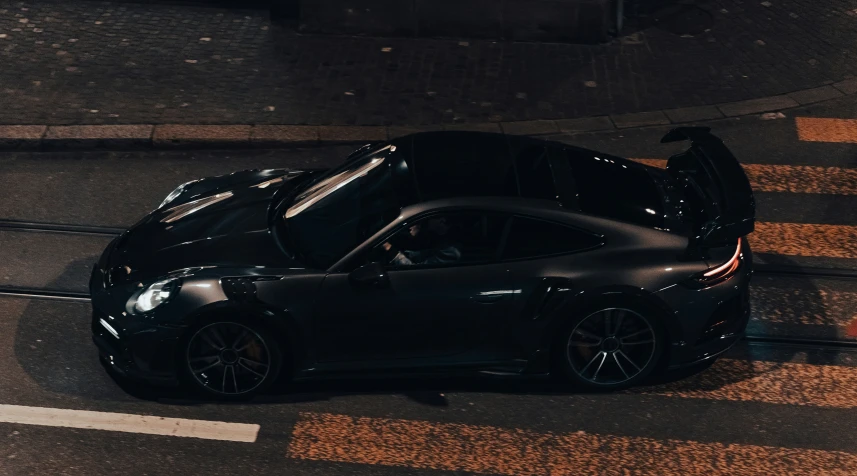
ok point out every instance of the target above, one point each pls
(555, 256)
(425, 308)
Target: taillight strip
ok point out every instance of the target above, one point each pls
(727, 264)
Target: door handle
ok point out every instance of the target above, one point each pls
(488, 298)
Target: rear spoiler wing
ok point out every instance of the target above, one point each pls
(710, 168)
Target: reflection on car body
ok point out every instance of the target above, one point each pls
(435, 252)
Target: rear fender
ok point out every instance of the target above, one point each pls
(590, 300)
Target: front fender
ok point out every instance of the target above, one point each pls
(237, 297)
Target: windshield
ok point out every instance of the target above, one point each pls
(343, 209)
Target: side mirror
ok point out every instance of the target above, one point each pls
(371, 275)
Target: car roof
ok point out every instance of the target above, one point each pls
(450, 164)
(457, 164)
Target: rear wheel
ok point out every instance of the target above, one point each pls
(610, 348)
(227, 359)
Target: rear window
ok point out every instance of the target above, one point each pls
(535, 178)
(614, 188)
(532, 238)
(463, 164)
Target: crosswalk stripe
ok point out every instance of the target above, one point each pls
(805, 239)
(494, 450)
(851, 330)
(814, 129)
(768, 382)
(799, 239)
(805, 307)
(792, 178)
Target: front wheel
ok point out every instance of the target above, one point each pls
(609, 349)
(226, 359)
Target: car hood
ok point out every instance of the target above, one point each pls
(218, 221)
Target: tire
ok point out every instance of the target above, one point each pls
(229, 358)
(590, 356)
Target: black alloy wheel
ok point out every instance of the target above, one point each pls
(231, 360)
(610, 349)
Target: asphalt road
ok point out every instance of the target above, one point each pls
(760, 410)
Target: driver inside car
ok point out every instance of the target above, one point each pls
(434, 247)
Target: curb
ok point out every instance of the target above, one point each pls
(178, 136)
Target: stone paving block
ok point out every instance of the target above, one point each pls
(284, 135)
(848, 86)
(584, 21)
(348, 134)
(639, 119)
(529, 127)
(367, 17)
(22, 132)
(756, 106)
(565, 138)
(809, 96)
(176, 135)
(399, 131)
(692, 114)
(13, 137)
(586, 124)
(475, 127)
(128, 68)
(98, 135)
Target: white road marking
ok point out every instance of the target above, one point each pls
(128, 423)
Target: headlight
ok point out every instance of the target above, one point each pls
(156, 294)
(175, 193)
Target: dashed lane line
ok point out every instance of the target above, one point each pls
(128, 423)
(816, 129)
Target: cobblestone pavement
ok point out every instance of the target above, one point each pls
(86, 62)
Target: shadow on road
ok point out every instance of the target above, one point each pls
(53, 346)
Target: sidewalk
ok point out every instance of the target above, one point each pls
(69, 62)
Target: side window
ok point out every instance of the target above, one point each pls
(444, 239)
(531, 238)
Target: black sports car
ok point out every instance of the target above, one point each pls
(435, 252)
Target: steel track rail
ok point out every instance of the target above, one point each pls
(803, 271)
(819, 344)
(58, 228)
(44, 294)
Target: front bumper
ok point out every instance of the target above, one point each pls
(131, 346)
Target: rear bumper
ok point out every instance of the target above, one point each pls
(711, 320)
(686, 356)
(732, 316)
